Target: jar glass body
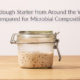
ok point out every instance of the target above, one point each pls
(35, 55)
(35, 52)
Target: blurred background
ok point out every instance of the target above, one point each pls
(69, 31)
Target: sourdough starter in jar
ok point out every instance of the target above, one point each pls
(36, 48)
(36, 55)
(35, 60)
(35, 51)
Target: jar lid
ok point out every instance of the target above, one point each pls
(36, 32)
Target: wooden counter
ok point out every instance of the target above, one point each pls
(68, 68)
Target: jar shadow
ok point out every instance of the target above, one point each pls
(59, 67)
(66, 67)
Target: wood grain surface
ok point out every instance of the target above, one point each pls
(67, 69)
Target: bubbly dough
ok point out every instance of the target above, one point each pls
(35, 60)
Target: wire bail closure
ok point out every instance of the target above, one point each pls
(56, 45)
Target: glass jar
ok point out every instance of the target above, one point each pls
(36, 48)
